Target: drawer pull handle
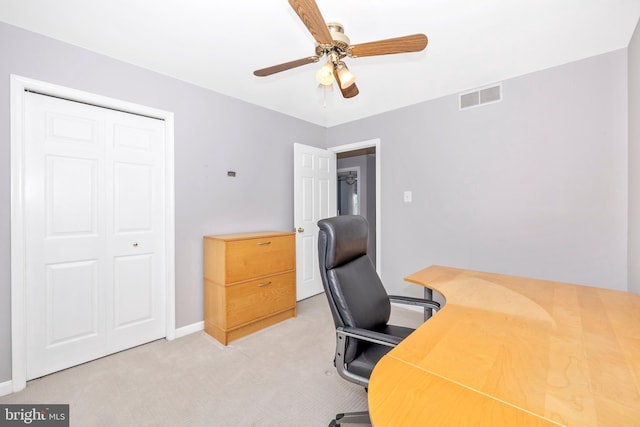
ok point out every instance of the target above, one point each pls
(264, 284)
(264, 243)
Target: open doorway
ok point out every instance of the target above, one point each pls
(356, 188)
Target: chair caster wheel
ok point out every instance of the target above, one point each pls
(334, 423)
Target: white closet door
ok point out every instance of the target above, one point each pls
(94, 185)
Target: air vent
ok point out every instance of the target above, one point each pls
(487, 95)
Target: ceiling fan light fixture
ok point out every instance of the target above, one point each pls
(325, 74)
(345, 77)
(332, 42)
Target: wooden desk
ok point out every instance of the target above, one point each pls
(513, 351)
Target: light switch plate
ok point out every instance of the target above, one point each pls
(408, 196)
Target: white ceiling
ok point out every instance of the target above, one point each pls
(217, 44)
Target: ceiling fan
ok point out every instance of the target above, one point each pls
(335, 45)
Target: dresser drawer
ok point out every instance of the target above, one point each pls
(249, 258)
(252, 300)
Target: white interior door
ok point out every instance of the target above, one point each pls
(94, 232)
(314, 172)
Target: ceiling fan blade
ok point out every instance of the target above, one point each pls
(413, 43)
(348, 92)
(310, 15)
(285, 66)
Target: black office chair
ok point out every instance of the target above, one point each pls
(359, 303)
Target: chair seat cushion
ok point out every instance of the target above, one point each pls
(369, 353)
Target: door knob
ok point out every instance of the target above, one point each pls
(300, 230)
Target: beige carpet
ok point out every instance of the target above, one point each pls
(280, 376)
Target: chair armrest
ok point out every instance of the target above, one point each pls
(359, 334)
(370, 336)
(427, 303)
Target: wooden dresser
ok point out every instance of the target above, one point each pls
(249, 282)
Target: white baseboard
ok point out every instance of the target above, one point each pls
(6, 388)
(190, 329)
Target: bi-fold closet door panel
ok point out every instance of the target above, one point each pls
(94, 224)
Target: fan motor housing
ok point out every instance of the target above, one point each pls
(340, 40)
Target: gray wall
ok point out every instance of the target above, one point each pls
(535, 185)
(634, 161)
(213, 134)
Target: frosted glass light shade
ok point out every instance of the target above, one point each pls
(345, 76)
(325, 74)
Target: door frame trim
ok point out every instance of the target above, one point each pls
(19, 86)
(377, 143)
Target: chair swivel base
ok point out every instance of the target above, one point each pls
(351, 418)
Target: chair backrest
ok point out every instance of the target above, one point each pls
(355, 292)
